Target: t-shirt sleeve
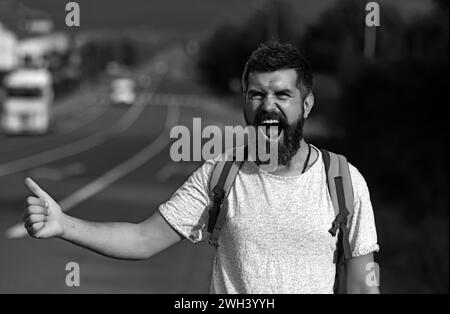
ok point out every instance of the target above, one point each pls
(186, 210)
(363, 233)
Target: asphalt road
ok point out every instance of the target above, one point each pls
(128, 144)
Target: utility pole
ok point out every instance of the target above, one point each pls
(372, 22)
(269, 11)
(272, 20)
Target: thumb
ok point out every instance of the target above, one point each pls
(36, 189)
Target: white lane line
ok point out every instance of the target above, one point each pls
(170, 99)
(94, 112)
(125, 167)
(172, 169)
(116, 173)
(58, 174)
(73, 148)
(71, 103)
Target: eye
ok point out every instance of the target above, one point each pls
(283, 96)
(256, 96)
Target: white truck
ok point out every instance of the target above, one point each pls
(28, 102)
(123, 91)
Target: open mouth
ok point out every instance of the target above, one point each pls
(271, 129)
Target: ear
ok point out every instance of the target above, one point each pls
(308, 104)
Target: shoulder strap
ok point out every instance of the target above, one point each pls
(220, 183)
(347, 187)
(339, 184)
(341, 193)
(331, 163)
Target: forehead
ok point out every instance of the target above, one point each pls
(280, 79)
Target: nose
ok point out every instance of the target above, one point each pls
(269, 104)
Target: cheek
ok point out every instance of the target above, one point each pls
(293, 112)
(250, 109)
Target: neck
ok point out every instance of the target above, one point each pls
(296, 164)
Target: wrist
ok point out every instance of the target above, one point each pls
(65, 223)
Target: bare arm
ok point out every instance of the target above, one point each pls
(44, 219)
(362, 275)
(122, 240)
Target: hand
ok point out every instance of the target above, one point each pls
(43, 217)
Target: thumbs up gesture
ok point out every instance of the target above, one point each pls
(43, 217)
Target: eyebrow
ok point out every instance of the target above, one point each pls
(282, 91)
(255, 91)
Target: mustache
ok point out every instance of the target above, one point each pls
(262, 115)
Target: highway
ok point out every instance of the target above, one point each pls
(104, 163)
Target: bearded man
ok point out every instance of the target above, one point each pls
(275, 236)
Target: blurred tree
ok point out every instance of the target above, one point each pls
(394, 115)
(392, 111)
(335, 43)
(97, 54)
(125, 51)
(224, 54)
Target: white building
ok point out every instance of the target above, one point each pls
(27, 36)
(8, 49)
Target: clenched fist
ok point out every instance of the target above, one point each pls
(43, 217)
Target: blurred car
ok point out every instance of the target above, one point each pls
(123, 91)
(28, 102)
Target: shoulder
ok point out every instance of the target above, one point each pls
(357, 177)
(208, 167)
(355, 174)
(359, 184)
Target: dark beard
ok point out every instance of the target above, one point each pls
(291, 142)
(292, 136)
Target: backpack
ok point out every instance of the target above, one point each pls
(339, 187)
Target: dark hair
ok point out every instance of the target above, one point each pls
(273, 56)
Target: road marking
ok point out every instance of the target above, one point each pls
(182, 100)
(172, 169)
(98, 109)
(58, 174)
(95, 111)
(73, 148)
(113, 175)
(71, 104)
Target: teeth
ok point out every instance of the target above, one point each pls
(270, 121)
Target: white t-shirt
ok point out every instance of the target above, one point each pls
(275, 238)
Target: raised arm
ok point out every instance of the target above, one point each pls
(44, 219)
